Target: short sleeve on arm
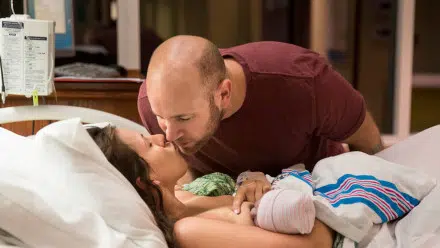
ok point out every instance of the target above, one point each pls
(148, 119)
(340, 109)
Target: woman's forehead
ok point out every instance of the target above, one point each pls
(129, 137)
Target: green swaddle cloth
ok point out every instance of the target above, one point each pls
(214, 184)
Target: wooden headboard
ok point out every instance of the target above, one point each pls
(119, 98)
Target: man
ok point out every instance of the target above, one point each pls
(261, 106)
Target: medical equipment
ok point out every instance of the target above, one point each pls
(61, 11)
(27, 56)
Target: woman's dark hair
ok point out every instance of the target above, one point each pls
(132, 166)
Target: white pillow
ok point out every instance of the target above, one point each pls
(58, 190)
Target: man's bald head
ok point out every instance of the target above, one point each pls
(187, 89)
(186, 54)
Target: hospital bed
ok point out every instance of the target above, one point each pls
(62, 112)
(420, 228)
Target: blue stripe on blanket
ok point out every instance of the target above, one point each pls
(304, 176)
(381, 196)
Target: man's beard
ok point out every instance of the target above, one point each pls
(216, 115)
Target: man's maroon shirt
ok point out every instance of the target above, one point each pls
(297, 110)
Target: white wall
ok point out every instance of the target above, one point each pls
(319, 11)
(129, 34)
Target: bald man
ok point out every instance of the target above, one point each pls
(261, 106)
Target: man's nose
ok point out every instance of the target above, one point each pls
(172, 133)
(158, 139)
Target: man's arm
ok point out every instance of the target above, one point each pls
(342, 115)
(367, 138)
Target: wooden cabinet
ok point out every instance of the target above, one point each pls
(119, 98)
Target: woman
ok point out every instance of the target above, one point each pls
(153, 167)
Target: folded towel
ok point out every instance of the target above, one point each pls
(214, 184)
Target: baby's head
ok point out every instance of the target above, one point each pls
(285, 211)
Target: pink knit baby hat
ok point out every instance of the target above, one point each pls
(285, 211)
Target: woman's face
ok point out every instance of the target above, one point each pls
(165, 162)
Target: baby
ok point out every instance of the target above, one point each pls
(288, 207)
(349, 193)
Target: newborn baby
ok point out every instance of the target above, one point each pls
(288, 207)
(349, 193)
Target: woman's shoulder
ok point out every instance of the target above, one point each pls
(184, 196)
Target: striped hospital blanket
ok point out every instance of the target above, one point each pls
(354, 191)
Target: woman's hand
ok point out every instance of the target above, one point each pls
(245, 217)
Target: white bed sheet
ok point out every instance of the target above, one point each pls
(421, 227)
(420, 151)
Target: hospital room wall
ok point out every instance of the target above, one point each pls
(375, 61)
(226, 23)
(371, 67)
(229, 22)
(425, 109)
(345, 31)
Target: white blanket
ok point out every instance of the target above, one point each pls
(355, 191)
(350, 193)
(421, 227)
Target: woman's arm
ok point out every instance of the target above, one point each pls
(197, 232)
(198, 204)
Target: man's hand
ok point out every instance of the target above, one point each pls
(251, 190)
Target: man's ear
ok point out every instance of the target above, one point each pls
(224, 93)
